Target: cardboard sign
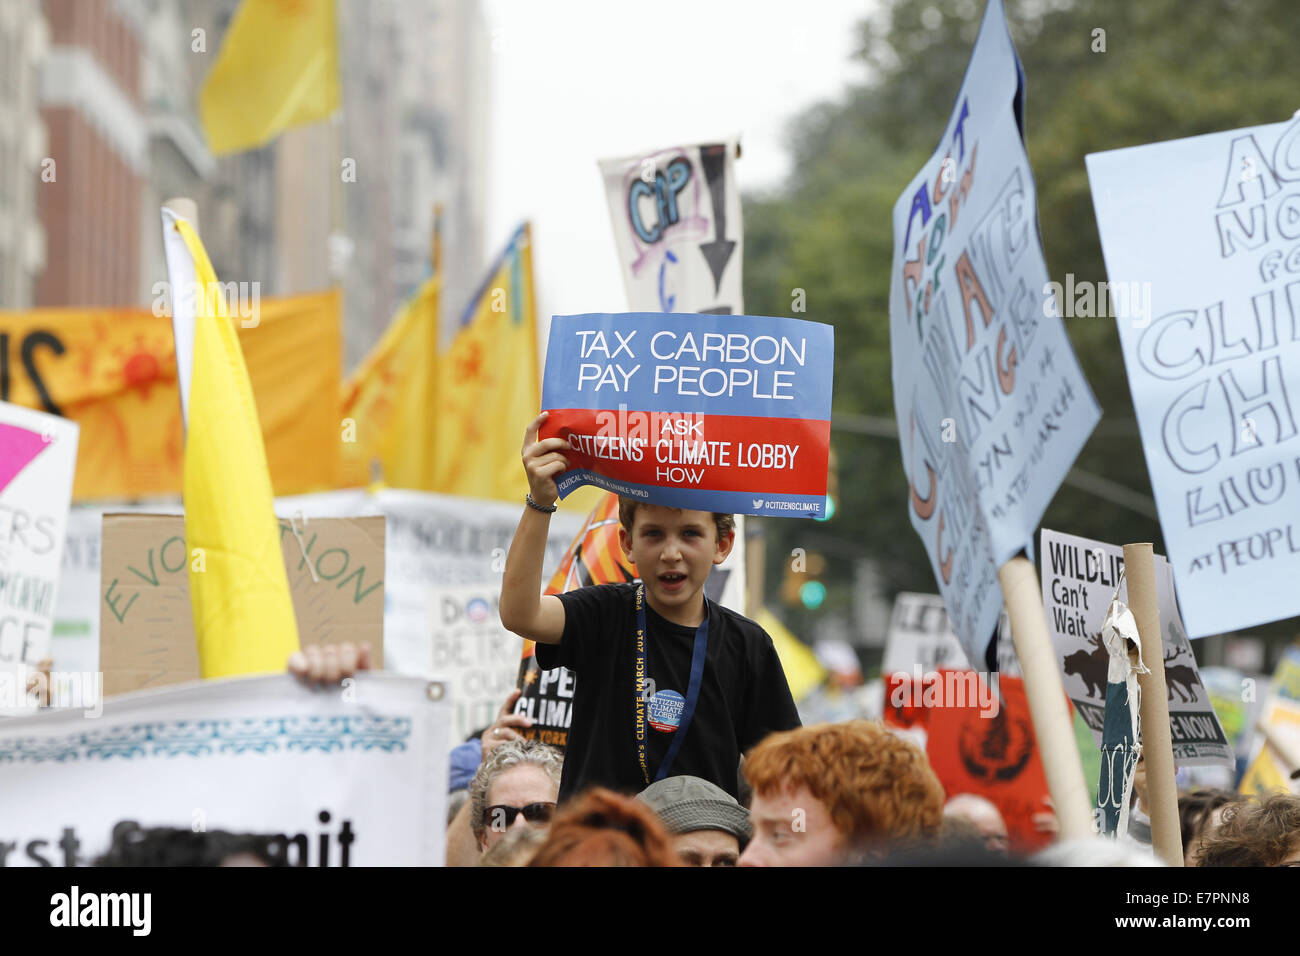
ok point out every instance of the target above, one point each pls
(77, 618)
(677, 224)
(431, 543)
(353, 779)
(1202, 231)
(921, 638)
(38, 455)
(146, 621)
(992, 406)
(710, 412)
(1078, 579)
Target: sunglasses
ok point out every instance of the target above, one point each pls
(502, 817)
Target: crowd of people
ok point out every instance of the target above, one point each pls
(846, 794)
(686, 749)
(724, 774)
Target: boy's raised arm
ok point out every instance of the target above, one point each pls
(524, 609)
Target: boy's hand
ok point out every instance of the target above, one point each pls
(542, 462)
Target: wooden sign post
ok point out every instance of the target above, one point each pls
(1157, 745)
(1046, 695)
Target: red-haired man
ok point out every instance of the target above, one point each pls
(838, 794)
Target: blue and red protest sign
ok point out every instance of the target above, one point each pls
(727, 413)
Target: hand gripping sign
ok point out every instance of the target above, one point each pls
(727, 413)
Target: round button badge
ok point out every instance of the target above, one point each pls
(665, 710)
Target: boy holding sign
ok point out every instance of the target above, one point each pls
(669, 682)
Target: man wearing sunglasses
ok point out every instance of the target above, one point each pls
(516, 786)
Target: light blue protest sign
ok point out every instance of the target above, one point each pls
(1206, 230)
(727, 413)
(992, 406)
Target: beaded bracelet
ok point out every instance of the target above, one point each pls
(546, 510)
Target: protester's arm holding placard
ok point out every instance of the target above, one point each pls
(524, 609)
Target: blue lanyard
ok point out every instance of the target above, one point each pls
(692, 692)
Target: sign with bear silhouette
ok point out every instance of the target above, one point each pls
(1079, 577)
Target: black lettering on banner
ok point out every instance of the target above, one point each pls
(30, 343)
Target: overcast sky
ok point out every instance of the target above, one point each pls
(576, 81)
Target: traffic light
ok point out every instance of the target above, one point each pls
(802, 584)
(812, 594)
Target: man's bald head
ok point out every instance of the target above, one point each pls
(983, 815)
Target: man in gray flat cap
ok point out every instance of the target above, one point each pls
(708, 827)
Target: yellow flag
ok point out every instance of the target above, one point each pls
(1279, 727)
(388, 402)
(1264, 775)
(452, 422)
(278, 68)
(803, 671)
(243, 614)
(488, 389)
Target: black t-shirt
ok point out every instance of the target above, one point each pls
(743, 695)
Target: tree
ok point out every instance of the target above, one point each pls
(1161, 70)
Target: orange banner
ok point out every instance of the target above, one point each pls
(113, 371)
(975, 747)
